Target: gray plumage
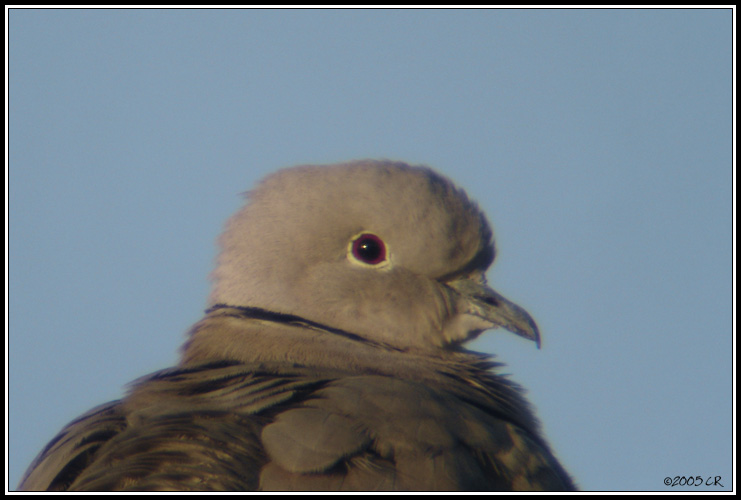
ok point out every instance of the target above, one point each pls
(330, 357)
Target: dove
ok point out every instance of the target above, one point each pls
(331, 356)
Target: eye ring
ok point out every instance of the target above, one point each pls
(368, 249)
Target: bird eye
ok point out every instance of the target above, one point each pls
(369, 248)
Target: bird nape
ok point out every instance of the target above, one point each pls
(331, 356)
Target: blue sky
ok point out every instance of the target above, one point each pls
(599, 142)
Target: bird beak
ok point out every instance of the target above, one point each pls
(481, 301)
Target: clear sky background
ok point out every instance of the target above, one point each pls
(599, 142)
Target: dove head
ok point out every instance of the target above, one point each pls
(392, 253)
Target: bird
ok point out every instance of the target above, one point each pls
(331, 356)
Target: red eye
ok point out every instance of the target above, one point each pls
(369, 248)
